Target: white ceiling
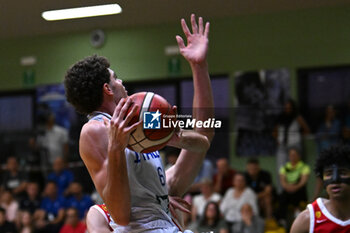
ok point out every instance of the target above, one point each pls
(23, 17)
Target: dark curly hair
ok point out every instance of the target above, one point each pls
(339, 155)
(84, 81)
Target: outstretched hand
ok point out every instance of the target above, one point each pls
(195, 52)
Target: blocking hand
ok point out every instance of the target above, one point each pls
(195, 52)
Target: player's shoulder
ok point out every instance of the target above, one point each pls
(93, 126)
(302, 223)
(93, 141)
(93, 129)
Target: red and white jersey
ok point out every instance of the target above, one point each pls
(103, 210)
(322, 221)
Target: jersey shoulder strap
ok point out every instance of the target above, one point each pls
(98, 116)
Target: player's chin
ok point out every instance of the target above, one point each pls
(336, 191)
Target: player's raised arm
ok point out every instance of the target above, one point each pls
(195, 52)
(183, 173)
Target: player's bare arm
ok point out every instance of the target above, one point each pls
(190, 140)
(96, 222)
(182, 174)
(194, 147)
(195, 52)
(301, 223)
(102, 146)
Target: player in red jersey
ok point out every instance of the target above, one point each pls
(98, 219)
(332, 215)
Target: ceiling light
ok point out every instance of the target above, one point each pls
(82, 12)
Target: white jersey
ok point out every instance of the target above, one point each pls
(149, 193)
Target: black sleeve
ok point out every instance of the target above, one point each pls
(23, 176)
(247, 178)
(267, 177)
(4, 179)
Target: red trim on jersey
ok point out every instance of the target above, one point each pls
(324, 222)
(107, 215)
(175, 222)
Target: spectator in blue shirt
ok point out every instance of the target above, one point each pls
(77, 199)
(60, 175)
(50, 216)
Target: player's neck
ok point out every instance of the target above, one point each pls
(107, 107)
(339, 208)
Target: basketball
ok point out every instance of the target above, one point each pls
(151, 135)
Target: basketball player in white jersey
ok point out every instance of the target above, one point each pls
(134, 186)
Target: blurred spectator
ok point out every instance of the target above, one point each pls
(26, 223)
(54, 140)
(60, 175)
(5, 226)
(235, 198)
(250, 222)
(31, 201)
(211, 221)
(288, 132)
(13, 179)
(346, 135)
(10, 205)
(223, 177)
(96, 198)
(260, 181)
(72, 223)
(171, 155)
(201, 200)
(50, 216)
(77, 199)
(346, 125)
(328, 133)
(293, 177)
(206, 172)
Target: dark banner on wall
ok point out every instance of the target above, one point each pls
(51, 98)
(260, 96)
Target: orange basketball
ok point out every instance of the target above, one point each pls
(152, 134)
